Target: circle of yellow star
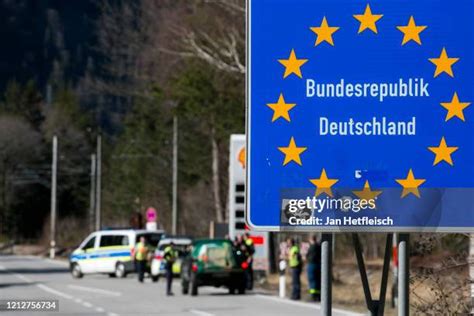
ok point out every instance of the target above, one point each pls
(443, 152)
(281, 109)
(367, 20)
(455, 108)
(410, 184)
(367, 193)
(292, 152)
(443, 63)
(292, 65)
(411, 32)
(324, 32)
(323, 184)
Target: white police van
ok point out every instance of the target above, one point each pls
(110, 252)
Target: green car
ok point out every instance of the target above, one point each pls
(213, 262)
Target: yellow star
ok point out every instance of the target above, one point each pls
(292, 152)
(324, 32)
(323, 184)
(443, 63)
(292, 65)
(367, 193)
(443, 152)
(411, 32)
(455, 108)
(410, 184)
(367, 20)
(281, 109)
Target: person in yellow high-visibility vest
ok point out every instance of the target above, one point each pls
(170, 257)
(141, 256)
(296, 264)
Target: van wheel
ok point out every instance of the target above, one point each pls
(76, 271)
(120, 270)
(155, 278)
(242, 290)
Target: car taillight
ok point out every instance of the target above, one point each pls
(158, 257)
(244, 265)
(194, 267)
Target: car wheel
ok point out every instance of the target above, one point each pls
(242, 290)
(120, 270)
(155, 278)
(76, 271)
(185, 288)
(194, 286)
(231, 290)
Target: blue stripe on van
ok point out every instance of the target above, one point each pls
(99, 255)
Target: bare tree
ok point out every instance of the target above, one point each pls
(220, 42)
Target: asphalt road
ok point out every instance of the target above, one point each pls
(26, 277)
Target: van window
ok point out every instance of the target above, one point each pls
(89, 244)
(113, 240)
(151, 238)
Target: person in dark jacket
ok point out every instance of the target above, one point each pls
(313, 260)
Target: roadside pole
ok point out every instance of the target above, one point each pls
(326, 274)
(403, 275)
(92, 193)
(98, 187)
(174, 225)
(54, 171)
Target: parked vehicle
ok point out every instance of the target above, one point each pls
(181, 246)
(213, 262)
(110, 252)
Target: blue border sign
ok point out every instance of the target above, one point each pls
(360, 116)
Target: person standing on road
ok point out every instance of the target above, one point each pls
(170, 258)
(295, 263)
(141, 253)
(249, 245)
(313, 259)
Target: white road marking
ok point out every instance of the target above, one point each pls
(94, 290)
(61, 294)
(303, 304)
(200, 313)
(53, 291)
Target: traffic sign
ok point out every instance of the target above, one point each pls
(237, 226)
(151, 214)
(359, 115)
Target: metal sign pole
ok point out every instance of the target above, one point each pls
(326, 274)
(403, 275)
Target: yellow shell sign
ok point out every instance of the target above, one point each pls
(241, 157)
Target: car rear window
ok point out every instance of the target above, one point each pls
(216, 255)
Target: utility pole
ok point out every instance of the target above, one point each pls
(54, 171)
(92, 193)
(326, 274)
(175, 177)
(98, 187)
